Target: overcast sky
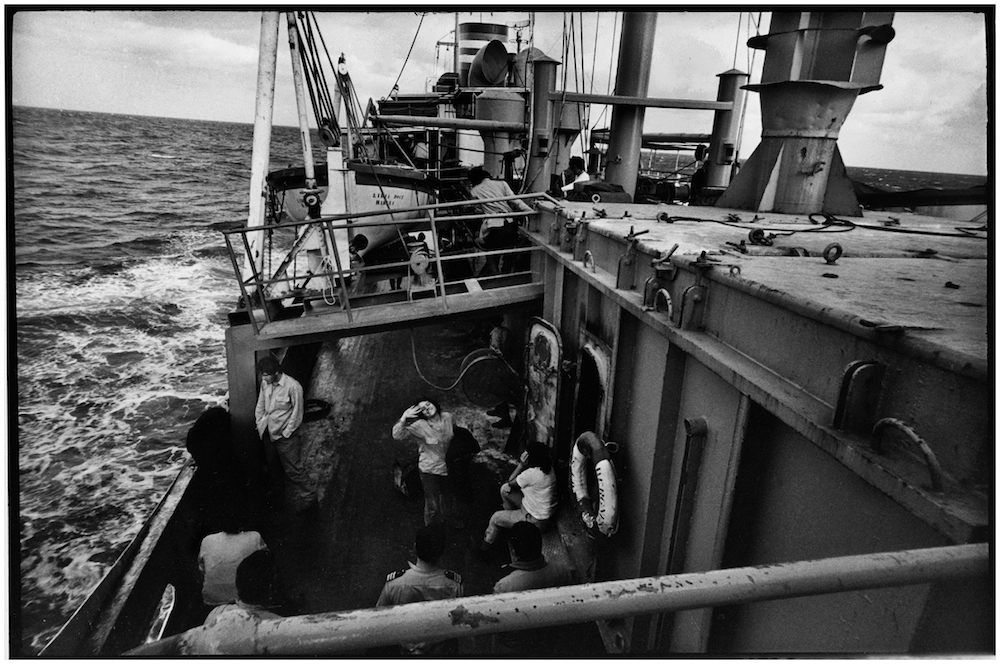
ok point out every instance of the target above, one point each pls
(931, 116)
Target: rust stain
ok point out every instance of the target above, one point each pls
(327, 617)
(461, 616)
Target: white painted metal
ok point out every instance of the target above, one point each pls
(352, 631)
(267, 64)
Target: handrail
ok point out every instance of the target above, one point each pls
(391, 222)
(381, 267)
(327, 225)
(352, 631)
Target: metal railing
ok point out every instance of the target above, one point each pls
(354, 631)
(256, 289)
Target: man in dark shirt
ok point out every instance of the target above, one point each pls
(531, 571)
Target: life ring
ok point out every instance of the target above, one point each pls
(589, 447)
(314, 409)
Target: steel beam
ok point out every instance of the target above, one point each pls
(644, 102)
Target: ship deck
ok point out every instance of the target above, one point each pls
(926, 275)
(336, 559)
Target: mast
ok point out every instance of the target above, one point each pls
(635, 60)
(267, 64)
(455, 51)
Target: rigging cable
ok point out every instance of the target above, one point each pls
(581, 79)
(395, 86)
(736, 47)
(593, 70)
(611, 69)
(752, 59)
(347, 92)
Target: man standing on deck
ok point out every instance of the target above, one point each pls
(496, 232)
(279, 415)
(424, 582)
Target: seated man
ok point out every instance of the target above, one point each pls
(531, 571)
(220, 555)
(231, 629)
(530, 567)
(576, 173)
(421, 582)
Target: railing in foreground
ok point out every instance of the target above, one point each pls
(354, 631)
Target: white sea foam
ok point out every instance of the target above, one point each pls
(115, 368)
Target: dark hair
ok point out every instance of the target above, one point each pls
(268, 365)
(229, 519)
(477, 175)
(437, 405)
(538, 455)
(255, 577)
(577, 162)
(431, 542)
(526, 540)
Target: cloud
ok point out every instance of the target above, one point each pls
(202, 65)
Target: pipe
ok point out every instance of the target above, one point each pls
(937, 484)
(541, 139)
(726, 129)
(645, 102)
(351, 631)
(448, 123)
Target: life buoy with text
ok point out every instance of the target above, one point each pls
(604, 519)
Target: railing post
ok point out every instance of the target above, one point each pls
(340, 272)
(257, 280)
(239, 280)
(437, 257)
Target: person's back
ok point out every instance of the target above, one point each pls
(530, 572)
(531, 575)
(422, 582)
(231, 629)
(219, 556)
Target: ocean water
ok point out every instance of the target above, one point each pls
(122, 284)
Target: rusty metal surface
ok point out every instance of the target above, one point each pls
(934, 285)
(331, 633)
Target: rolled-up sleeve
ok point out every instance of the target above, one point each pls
(399, 430)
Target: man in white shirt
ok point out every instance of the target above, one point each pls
(220, 554)
(576, 173)
(496, 232)
(279, 415)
